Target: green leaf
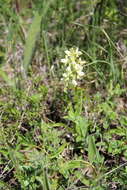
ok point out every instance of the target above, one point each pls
(59, 151)
(91, 149)
(93, 154)
(33, 34)
(35, 98)
(31, 40)
(81, 127)
(46, 180)
(65, 167)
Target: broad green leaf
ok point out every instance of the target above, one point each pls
(91, 149)
(71, 114)
(93, 154)
(81, 127)
(64, 168)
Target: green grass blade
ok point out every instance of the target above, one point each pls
(33, 34)
(31, 40)
(46, 180)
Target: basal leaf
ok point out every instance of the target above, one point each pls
(91, 149)
(93, 153)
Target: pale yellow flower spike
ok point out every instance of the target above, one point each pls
(73, 65)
